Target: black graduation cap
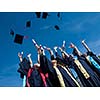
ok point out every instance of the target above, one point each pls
(58, 14)
(19, 39)
(38, 14)
(11, 32)
(45, 14)
(57, 27)
(28, 23)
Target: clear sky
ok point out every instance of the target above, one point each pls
(74, 27)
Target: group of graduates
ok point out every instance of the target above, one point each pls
(61, 69)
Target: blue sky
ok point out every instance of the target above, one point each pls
(74, 27)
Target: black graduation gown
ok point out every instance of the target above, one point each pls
(35, 79)
(24, 67)
(94, 80)
(60, 59)
(67, 79)
(47, 67)
(83, 80)
(76, 75)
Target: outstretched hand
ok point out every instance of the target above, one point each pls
(72, 45)
(20, 55)
(29, 55)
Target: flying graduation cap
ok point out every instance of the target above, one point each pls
(45, 15)
(28, 24)
(18, 39)
(56, 27)
(58, 14)
(38, 14)
(11, 32)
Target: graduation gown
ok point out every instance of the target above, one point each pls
(94, 62)
(83, 80)
(34, 78)
(67, 76)
(24, 67)
(94, 57)
(75, 75)
(47, 67)
(67, 79)
(60, 77)
(94, 80)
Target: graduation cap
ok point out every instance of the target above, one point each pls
(45, 14)
(58, 14)
(11, 32)
(28, 23)
(57, 27)
(38, 14)
(18, 38)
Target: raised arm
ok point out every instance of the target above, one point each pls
(63, 45)
(39, 49)
(48, 49)
(34, 42)
(30, 60)
(55, 49)
(77, 50)
(85, 45)
(20, 55)
(64, 53)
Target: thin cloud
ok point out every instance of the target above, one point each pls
(87, 20)
(95, 46)
(80, 23)
(45, 27)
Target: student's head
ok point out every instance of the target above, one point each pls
(54, 62)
